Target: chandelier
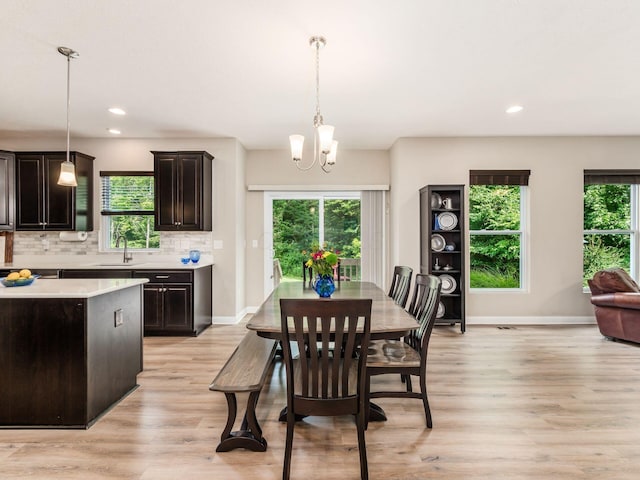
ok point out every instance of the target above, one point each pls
(324, 146)
(67, 176)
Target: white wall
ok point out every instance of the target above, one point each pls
(275, 167)
(556, 211)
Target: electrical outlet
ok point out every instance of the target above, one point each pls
(118, 318)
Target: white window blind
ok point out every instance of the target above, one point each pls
(127, 193)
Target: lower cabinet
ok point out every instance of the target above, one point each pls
(64, 361)
(176, 302)
(167, 304)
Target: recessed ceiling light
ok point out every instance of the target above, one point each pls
(117, 111)
(115, 131)
(514, 109)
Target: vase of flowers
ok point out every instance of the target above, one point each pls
(322, 262)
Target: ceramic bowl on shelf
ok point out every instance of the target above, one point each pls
(436, 200)
(449, 283)
(437, 242)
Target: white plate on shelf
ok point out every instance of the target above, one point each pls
(447, 221)
(436, 200)
(437, 242)
(449, 283)
(441, 310)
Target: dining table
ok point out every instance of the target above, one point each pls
(388, 320)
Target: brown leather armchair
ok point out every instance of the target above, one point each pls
(616, 298)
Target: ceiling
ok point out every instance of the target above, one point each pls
(390, 69)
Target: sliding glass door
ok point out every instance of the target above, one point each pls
(301, 220)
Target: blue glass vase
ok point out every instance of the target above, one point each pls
(324, 285)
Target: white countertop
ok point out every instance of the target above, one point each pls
(52, 263)
(69, 287)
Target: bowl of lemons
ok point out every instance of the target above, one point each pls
(19, 279)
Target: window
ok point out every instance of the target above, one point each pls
(497, 214)
(301, 220)
(610, 221)
(127, 210)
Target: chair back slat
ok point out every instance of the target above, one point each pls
(423, 307)
(400, 285)
(330, 337)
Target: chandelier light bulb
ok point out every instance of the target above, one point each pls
(325, 132)
(297, 142)
(331, 156)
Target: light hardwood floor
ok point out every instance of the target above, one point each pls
(518, 403)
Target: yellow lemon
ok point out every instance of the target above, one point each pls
(25, 273)
(13, 276)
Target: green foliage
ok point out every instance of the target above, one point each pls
(132, 194)
(494, 207)
(342, 226)
(495, 259)
(296, 229)
(487, 278)
(598, 256)
(137, 229)
(606, 207)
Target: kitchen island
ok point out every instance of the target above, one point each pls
(69, 350)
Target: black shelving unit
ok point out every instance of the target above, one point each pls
(442, 247)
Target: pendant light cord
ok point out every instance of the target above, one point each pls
(68, 101)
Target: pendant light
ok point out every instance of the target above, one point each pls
(324, 146)
(67, 176)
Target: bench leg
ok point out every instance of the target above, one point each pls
(250, 434)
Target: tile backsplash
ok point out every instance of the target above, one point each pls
(49, 243)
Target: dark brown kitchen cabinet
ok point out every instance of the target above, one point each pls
(183, 190)
(167, 308)
(176, 302)
(42, 204)
(7, 196)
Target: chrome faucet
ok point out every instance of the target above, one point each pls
(127, 256)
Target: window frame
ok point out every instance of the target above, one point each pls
(633, 231)
(504, 178)
(105, 221)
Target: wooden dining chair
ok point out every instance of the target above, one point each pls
(409, 355)
(322, 380)
(306, 272)
(400, 284)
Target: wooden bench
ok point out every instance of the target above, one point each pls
(245, 372)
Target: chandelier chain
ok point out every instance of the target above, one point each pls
(318, 79)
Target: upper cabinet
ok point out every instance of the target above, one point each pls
(7, 196)
(42, 204)
(183, 190)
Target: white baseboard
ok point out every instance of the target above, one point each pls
(219, 320)
(586, 320)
